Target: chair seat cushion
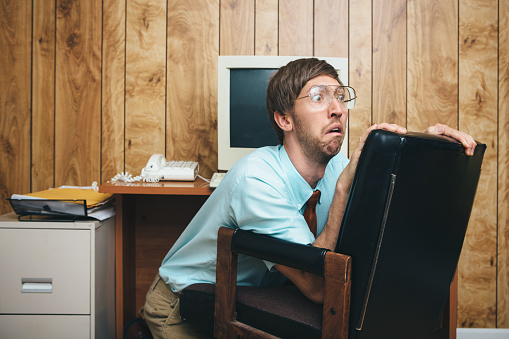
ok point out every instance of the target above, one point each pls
(260, 307)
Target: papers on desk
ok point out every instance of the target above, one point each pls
(65, 202)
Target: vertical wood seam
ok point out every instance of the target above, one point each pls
(166, 53)
(55, 94)
(101, 96)
(125, 81)
(406, 65)
(497, 268)
(254, 27)
(30, 107)
(372, 73)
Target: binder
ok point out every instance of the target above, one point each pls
(44, 209)
(62, 204)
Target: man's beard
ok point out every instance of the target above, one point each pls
(312, 146)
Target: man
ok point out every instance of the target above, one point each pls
(267, 192)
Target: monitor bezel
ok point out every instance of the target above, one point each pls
(228, 156)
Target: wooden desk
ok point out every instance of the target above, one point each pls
(149, 219)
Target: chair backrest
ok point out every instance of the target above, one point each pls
(404, 227)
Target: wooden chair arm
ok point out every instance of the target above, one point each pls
(226, 282)
(337, 274)
(336, 306)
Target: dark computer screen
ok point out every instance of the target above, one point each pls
(250, 126)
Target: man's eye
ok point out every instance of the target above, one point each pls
(341, 97)
(316, 98)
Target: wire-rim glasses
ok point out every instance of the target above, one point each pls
(321, 96)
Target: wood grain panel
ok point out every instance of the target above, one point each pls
(113, 88)
(78, 92)
(296, 27)
(432, 64)
(237, 27)
(266, 27)
(145, 82)
(193, 46)
(43, 95)
(503, 168)
(478, 117)
(389, 61)
(331, 28)
(360, 66)
(15, 38)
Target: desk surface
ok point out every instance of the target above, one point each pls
(197, 187)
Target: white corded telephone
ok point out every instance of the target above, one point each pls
(159, 169)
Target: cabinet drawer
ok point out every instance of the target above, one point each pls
(44, 326)
(46, 271)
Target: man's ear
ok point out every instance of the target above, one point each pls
(283, 121)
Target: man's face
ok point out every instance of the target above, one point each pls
(319, 130)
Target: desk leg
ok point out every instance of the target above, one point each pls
(125, 261)
(453, 307)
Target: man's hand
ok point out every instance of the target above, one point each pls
(466, 140)
(346, 177)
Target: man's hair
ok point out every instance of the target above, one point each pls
(286, 84)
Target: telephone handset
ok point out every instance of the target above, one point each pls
(155, 163)
(158, 168)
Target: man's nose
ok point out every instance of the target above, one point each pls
(335, 108)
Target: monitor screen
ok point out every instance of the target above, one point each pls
(243, 122)
(250, 126)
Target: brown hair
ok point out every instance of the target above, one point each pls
(286, 84)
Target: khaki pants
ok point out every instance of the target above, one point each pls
(162, 314)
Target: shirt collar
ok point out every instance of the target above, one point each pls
(300, 188)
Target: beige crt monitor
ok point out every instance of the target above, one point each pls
(237, 122)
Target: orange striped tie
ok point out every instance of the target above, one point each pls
(310, 211)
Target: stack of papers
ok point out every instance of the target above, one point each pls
(65, 201)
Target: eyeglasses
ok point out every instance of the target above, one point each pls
(320, 96)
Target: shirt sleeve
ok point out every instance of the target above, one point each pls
(266, 208)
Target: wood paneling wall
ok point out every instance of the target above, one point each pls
(503, 167)
(92, 88)
(478, 103)
(15, 99)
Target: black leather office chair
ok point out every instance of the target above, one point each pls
(396, 255)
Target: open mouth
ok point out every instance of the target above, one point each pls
(335, 129)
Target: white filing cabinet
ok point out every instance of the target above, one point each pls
(57, 279)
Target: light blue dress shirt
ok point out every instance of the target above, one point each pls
(264, 193)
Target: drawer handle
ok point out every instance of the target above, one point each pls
(36, 285)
